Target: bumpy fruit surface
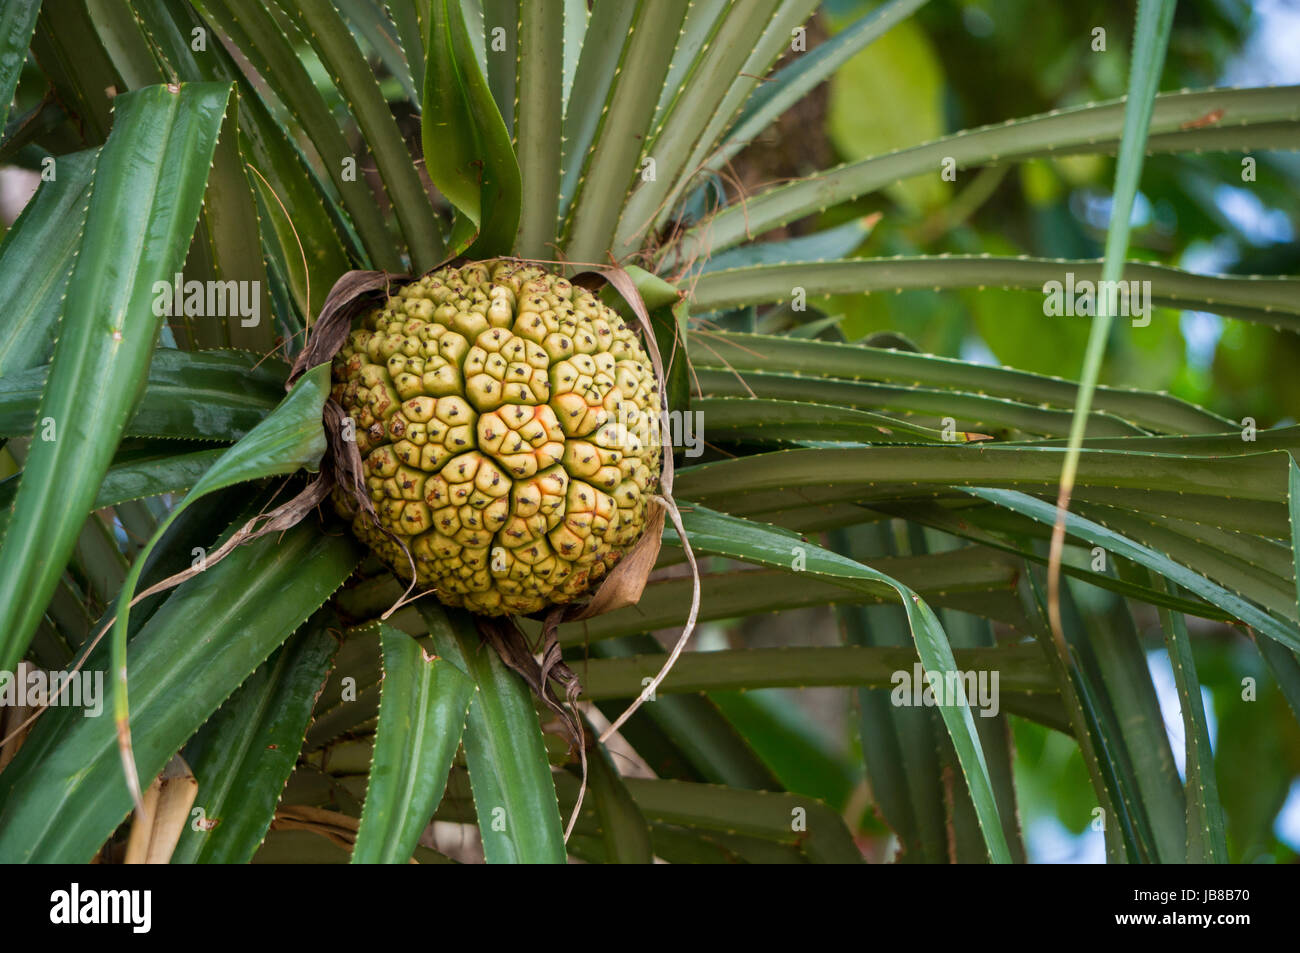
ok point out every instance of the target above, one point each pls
(506, 421)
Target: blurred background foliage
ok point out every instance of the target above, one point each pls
(957, 65)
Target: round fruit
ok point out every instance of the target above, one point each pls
(507, 424)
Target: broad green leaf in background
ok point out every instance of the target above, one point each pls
(813, 361)
(1264, 117)
(1021, 667)
(626, 835)
(684, 735)
(73, 58)
(148, 185)
(787, 740)
(1272, 301)
(818, 831)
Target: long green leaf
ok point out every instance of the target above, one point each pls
(737, 29)
(782, 421)
(960, 580)
(602, 51)
(289, 439)
(626, 836)
(230, 235)
(928, 409)
(500, 51)
(263, 40)
(73, 58)
(467, 149)
(1088, 128)
(1293, 509)
(406, 15)
(1271, 301)
(306, 254)
(244, 754)
(149, 182)
(373, 22)
(518, 815)
(777, 37)
(1112, 647)
(890, 473)
(421, 717)
(210, 395)
(329, 35)
(611, 167)
(901, 745)
(538, 112)
(1003, 531)
(1094, 734)
(1206, 843)
(826, 245)
(141, 472)
(1112, 542)
(1020, 668)
(1255, 568)
(17, 24)
(816, 360)
(36, 261)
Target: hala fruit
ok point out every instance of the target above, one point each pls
(506, 420)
